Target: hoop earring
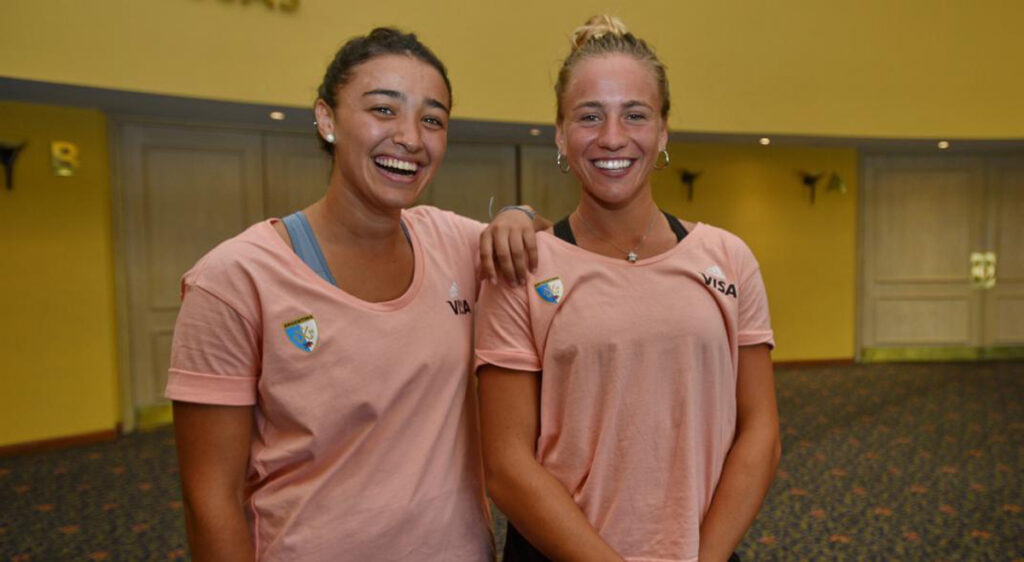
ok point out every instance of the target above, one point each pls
(664, 153)
(562, 163)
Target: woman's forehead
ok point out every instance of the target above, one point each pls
(610, 79)
(401, 73)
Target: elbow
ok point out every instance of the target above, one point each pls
(500, 480)
(496, 481)
(205, 508)
(198, 514)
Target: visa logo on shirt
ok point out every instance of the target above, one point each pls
(458, 306)
(713, 278)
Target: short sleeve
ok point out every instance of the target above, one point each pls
(755, 326)
(504, 336)
(215, 353)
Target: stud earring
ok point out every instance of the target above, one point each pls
(330, 138)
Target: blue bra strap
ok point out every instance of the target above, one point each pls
(305, 245)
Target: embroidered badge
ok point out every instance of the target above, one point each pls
(303, 333)
(551, 290)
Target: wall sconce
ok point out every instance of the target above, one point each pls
(836, 183)
(810, 181)
(8, 154)
(688, 177)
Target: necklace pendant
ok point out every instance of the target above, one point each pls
(631, 257)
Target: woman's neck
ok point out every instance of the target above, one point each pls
(622, 225)
(343, 219)
(631, 231)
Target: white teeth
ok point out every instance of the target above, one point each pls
(396, 163)
(613, 164)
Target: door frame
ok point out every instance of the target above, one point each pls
(116, 122)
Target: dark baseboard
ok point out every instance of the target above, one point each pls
(60, 442)
(816, 363)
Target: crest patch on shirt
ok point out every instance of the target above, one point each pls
(551, 290)
(303, 333)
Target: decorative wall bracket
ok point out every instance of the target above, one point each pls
(836, 183)
(8, 155)
(688, 177)
(810, 181)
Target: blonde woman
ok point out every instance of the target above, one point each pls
(627, 396)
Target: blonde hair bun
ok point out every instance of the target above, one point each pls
(606, 35)
(597, 27)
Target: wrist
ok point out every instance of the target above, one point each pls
(523, 208)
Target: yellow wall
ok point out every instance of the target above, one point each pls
(57, 336)
(914, 68)
(807, 252)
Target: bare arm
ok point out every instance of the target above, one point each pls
(534, 501)
(213, 452)
(750, 466)
(509, 245)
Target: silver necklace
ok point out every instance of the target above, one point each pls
(631, 255)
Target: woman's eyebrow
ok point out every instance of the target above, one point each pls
(385, 92)
(435, 103)
(588, 104)
(402, 97)
(636, 103)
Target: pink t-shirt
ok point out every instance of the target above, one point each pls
(365, 444)
(638, 393)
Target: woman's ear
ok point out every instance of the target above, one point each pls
(324, 118)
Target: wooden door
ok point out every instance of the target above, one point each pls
(544, 187)
(924, 216)
(470, 175)
(297, 171)
(1004, 302)
(182, 191)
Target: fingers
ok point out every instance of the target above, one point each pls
(509, 247)
(519, 259)
(487, 272)
(530, 241)
(503, 254)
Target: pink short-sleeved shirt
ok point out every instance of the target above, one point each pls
(638, 393)
(365, 444)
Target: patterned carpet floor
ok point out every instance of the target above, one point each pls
(897, 462)
(880, 462)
